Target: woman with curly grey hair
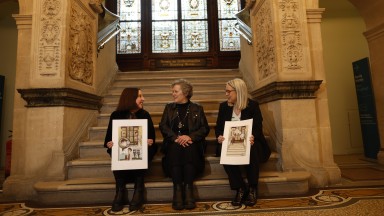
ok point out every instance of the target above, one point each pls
(184, 128)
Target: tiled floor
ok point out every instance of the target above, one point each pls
(348, 197)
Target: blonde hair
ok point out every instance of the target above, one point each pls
(241, 91)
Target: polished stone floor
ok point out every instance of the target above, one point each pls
(361, 192)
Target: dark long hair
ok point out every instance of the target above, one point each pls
(127, 99)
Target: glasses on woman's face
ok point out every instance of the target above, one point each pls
(229, 91)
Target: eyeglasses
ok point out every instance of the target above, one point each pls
(229, 91)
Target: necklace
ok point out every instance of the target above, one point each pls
(181, 120)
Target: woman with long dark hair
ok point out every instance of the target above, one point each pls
(130, 107)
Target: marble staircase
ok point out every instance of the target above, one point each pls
(90, 180)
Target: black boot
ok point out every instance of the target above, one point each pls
(119, 200)
(190, 202)
(251, 197)
(239, 198)
(177, 203)
(138, 195)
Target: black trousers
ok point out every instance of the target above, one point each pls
(235, 176)
(183, 164)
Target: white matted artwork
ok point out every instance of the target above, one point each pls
(130, 149)
(235, 149)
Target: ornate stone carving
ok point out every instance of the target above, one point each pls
(49, 43)
(291, 35)
(287, 90)
(96, 6)
(50, 97)
(265, 45)
(81, 45)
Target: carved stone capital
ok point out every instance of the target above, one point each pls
(51, 97)
(287, 90)
(96, 6)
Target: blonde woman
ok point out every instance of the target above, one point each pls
(239, 107)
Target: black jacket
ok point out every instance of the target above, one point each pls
(141, 114)
(252, 111)
(197, 123)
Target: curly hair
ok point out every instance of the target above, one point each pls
(186, 87)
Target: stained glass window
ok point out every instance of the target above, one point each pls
(129, 39)
(195, 26)
(228, 36)
(164, 26)
(168, 18)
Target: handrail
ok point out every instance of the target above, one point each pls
(243, 23)
(245, 36)
(114, 33)
(108, 27)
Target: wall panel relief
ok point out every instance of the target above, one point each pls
(82, 44)
(291, 35)
(50, 41)
(265, 41)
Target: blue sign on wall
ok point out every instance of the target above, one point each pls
(2, 78)
(367, 108)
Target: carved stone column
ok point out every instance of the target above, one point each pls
(290, 82)
(55, 76)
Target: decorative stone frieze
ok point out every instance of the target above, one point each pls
(291, 34)
(265, 41)
(287, 90)
(82, 40)
(49, 45)
(51, 97)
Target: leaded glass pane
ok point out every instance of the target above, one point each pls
(164, 37)
(229, 38)
(129, 10)
(164, 9)
(195, 36)
(129, 39)
(228, 8)
(194, 9)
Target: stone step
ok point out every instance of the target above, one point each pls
(166, 94)
(103, 118)
(95, 148)
(95, 167)
(180, 73)
(158, 106)
(147, 88)
(98, 132)
(101, 190)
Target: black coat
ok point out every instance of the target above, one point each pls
(140, 114)
(198, 129)
(197, 123)
(252, 111)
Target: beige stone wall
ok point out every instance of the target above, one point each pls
(8, 42)
(56, 49)
(344, 43)
(287, 46)
(373, 17)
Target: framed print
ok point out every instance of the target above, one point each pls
(235, 149)
(130, 149)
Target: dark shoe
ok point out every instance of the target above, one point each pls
(190, 202)
(177, 203)
(118, 201)
(239, 198)
(138, 195)
(251, 197)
